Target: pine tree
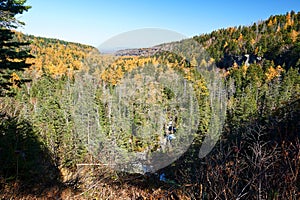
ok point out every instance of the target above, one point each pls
(13, 54)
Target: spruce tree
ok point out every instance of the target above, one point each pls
(13, 54)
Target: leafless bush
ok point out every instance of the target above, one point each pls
(256, 166)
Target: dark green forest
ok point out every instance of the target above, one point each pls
(54, 98)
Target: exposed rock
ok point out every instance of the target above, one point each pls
(138, 52)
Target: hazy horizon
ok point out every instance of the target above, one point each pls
(140, 38)
(95, 22)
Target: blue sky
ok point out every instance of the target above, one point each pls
(95, 21)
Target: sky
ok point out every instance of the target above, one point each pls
(94, 22)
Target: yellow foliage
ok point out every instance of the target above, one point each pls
(231, 30)
(235, 65)
(14, 60)
(203, 63)
(256, 50)
(275, 21)
(200, 87)
(225, 45)
(270, 23)
(273, 73)
(240, 37)
(226, 73)
(244, 68)
(278, 29)
(279, 69)
(14, 80)
(211, 61)
(58, 58)
(194, 62)
(289, 21)
(115, 72)
(294, 35)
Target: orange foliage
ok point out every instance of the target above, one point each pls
(270, 23)
(289, 21)
(14, 80)
(56, 57)
(273, 73)
(294, 35)
(115, 71)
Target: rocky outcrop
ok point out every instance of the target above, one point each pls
(138, 52)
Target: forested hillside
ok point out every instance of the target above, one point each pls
(275, 39)
(46, 126)
(55, 56)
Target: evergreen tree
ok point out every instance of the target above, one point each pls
(13, 54)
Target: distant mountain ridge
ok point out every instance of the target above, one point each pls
(275, 39)
(138, 52)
